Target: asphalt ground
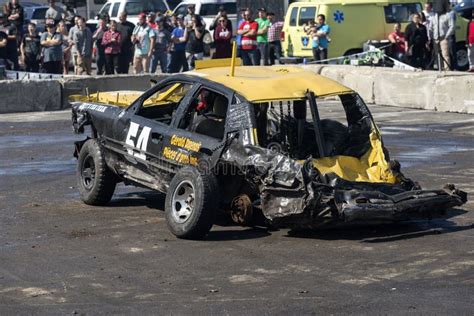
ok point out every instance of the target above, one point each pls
(59, 256)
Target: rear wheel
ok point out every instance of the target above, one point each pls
(462, 56)
(191, 203)
(95, 181)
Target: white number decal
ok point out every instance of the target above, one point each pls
(142, 141)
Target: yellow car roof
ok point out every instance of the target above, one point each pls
(264, 83)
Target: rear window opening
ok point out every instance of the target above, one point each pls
(287, 127)
(401, 12)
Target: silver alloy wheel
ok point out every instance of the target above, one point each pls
(183, 202)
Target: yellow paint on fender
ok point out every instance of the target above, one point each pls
(371, 167)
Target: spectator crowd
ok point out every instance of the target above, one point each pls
(430, 40)
(175, 42)
(172, 42)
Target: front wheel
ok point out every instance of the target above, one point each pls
(462, 56)
(191, 203)
(95, 180)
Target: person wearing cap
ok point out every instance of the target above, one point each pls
(248, 29)
(83, 41)
(262, 36)
(126, 46)
(178, 48)
(52, 42)
(162, 44)
(143, 37)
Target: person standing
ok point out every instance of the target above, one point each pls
(126, 46)
(215, 23)
(470, 42)
(417, 39)
(320, 39)
(262, 36)
(194, 41)
(397, 38)
(178, 47)
(188, 19)
(162, 44)
(452, 42)
(54, 13)
(274, 41)
(99, 48)
(440, 29)
(143, 38)
(52, 42)
(111, 43)
(248, 30)
(3, 43)
(30, 49)
(429, 14)
(16, 15)
(83, 42)
(62, 29)
(12, 45)
(223, 38)
(73, 48)
(238, 37)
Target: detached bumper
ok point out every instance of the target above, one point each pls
(370, 206)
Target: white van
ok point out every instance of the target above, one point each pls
(208, 10)
(132, 7)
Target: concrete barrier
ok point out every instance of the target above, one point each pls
(430, 90)
(82, 85)
(28, 96)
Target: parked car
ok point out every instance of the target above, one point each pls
(208, 9)
(348, 32)
(35, 13)
(254, 142)
(132, 7)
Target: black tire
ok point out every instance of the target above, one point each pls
(191, 203)
(95, 180)
(462, 56)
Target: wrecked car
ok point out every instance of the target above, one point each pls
(252, 142)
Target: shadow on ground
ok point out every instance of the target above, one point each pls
(367, 234)
(388, 232)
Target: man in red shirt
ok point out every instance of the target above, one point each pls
(397, 38)
(470, 42)
(248, 30)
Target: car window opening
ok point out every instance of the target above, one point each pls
(206, 114)
(162, 104)
(287, 127)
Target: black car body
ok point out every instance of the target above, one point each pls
(251, 143)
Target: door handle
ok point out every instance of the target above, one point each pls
(156, 138)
